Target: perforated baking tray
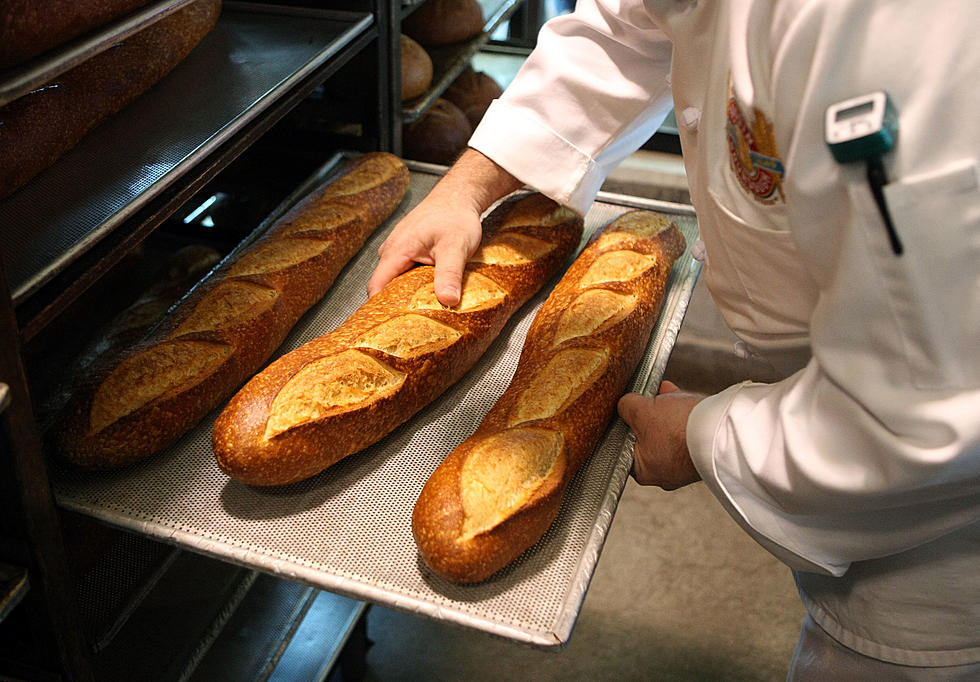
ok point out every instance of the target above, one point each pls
(348, 530)
(253, 57)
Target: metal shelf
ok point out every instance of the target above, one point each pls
(448, 61)
(347, 530)
(76, 218)
(282, 630)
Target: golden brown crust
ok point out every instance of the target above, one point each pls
(223, 332)
(499, 491)
(286, 425)
(39, 127)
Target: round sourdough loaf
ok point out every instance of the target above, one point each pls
(439, 136)
(416, 69)
(443, 22)
(472, 92)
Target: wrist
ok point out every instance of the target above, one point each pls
(475, 182)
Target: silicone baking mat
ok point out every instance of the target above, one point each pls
(347, 530)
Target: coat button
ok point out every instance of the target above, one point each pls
(690, 118)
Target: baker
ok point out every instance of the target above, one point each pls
(832, 152)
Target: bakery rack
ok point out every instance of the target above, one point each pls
(449, 61)
(71, 222)
(66, 232)
(347, 530)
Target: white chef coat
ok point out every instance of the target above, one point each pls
(861, 469)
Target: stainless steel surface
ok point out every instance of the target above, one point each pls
(448, 61)
(4, 397)
(316, 646)
(347, 530)
(21, 79)
(243, 66)
(255, 637)
(281, 630)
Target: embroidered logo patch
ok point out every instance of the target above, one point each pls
(752, 150)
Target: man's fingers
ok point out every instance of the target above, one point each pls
(668, 387)
(450, 261)
(389, 267)
(630, 406)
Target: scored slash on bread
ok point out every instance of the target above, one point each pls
(497, 493)
(347, 389)
(133, 406)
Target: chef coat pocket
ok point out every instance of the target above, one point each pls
(770, 272)
(934, 286)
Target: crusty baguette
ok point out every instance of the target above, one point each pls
(29, 27)
(498, 492)
(347, 389)
(39, 127)
(228, 327)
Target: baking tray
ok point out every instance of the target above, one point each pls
(348, 529)
(251, 58)
(448, 61)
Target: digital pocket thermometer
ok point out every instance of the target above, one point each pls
(866, 127)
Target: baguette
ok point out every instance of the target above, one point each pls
(227, 327)
(29, 27)
(400, 350)
(41, 126)
(498, 492)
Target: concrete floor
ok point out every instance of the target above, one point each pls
(679, 593)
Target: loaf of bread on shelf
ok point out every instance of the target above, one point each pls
(472, 92)
(444, 22)
(416, 69)
(498, 492)
(439, 136)
(30, 27)
(38, 128)
(228, 326)
(394, 355)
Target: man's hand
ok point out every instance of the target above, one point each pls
(434, 233)
(444, 229)
(661, 456)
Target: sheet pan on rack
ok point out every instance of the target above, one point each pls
(348, 530)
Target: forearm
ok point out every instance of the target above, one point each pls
(474, 182)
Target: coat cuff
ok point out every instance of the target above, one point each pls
(706, 433)
(558, 169)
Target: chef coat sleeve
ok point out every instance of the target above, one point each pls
(874, 447)
(594, 89)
